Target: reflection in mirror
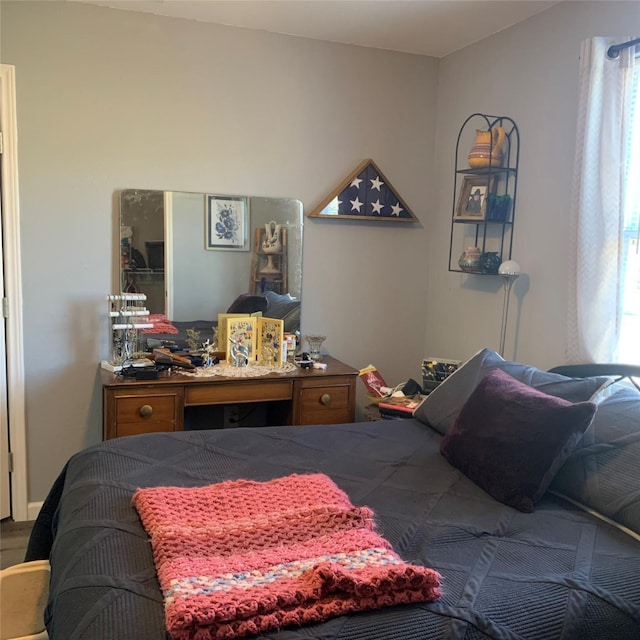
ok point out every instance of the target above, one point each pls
(166, 254)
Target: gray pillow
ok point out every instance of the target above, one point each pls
(283, 307)
(603, 472)
(441, 407)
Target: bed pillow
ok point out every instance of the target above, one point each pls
(603, 472)
(246, 303)
(441, 407)
(284, 307)
(511, 439)
(280, 304)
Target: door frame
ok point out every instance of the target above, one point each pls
(13, 293)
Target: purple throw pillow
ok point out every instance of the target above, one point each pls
(511, 439)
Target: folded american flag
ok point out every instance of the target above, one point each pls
(243, 557)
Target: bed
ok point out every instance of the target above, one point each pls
(191, 334)
(567, 569)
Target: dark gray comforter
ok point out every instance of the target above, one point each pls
(555, 573)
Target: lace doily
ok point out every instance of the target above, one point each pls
(225, 370)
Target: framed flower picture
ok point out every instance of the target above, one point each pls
(227, 223)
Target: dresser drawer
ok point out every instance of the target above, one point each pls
(138, 428)
(139, 411)
(325, 404)
(247, 391)
(146, 409)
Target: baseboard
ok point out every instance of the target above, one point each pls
(33, 509)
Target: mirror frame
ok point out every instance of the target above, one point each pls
(169, 219)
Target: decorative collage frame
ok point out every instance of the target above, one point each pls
(243, 331)
(270, 341)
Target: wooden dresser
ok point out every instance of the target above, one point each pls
(303, 396)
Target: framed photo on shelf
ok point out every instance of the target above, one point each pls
(472, 199)
(227, 223)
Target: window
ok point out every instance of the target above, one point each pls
(604, 275)
(629, 342)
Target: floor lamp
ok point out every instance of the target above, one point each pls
(509, 270)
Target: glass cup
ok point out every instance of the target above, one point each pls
(315, 344)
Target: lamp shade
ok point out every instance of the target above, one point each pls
(509, 268)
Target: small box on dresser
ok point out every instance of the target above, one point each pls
(435, 370)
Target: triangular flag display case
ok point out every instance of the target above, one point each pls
(365, 194)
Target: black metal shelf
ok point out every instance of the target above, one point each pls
(145, 272)
(488, 170)
(497, 180)
(483, 222)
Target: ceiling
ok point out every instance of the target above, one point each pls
(426, 27)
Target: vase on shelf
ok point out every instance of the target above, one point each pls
(498, 207)
(490, 262)
(270, 267)
(487, 150)
(271, 244)
(469, 261)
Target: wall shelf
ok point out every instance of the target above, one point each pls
(484, 197)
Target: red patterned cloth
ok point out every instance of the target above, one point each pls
(160, 324)
(244, 557)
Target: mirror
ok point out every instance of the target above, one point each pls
(176, 249)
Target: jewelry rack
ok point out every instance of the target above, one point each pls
(127, 315)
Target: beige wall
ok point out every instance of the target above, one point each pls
(109, 100)
(530, 73)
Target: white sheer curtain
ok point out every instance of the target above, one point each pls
(597, 220)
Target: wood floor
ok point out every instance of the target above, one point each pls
(14, 537)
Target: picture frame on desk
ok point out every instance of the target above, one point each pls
(270, 341)
(222, 327)
(242, 331)
(227, 223)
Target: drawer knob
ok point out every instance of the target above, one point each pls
(325, 399)
(146, 410)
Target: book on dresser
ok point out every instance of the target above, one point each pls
(399, 407)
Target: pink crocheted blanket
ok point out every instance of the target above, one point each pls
(243, 557)
(161, 324)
